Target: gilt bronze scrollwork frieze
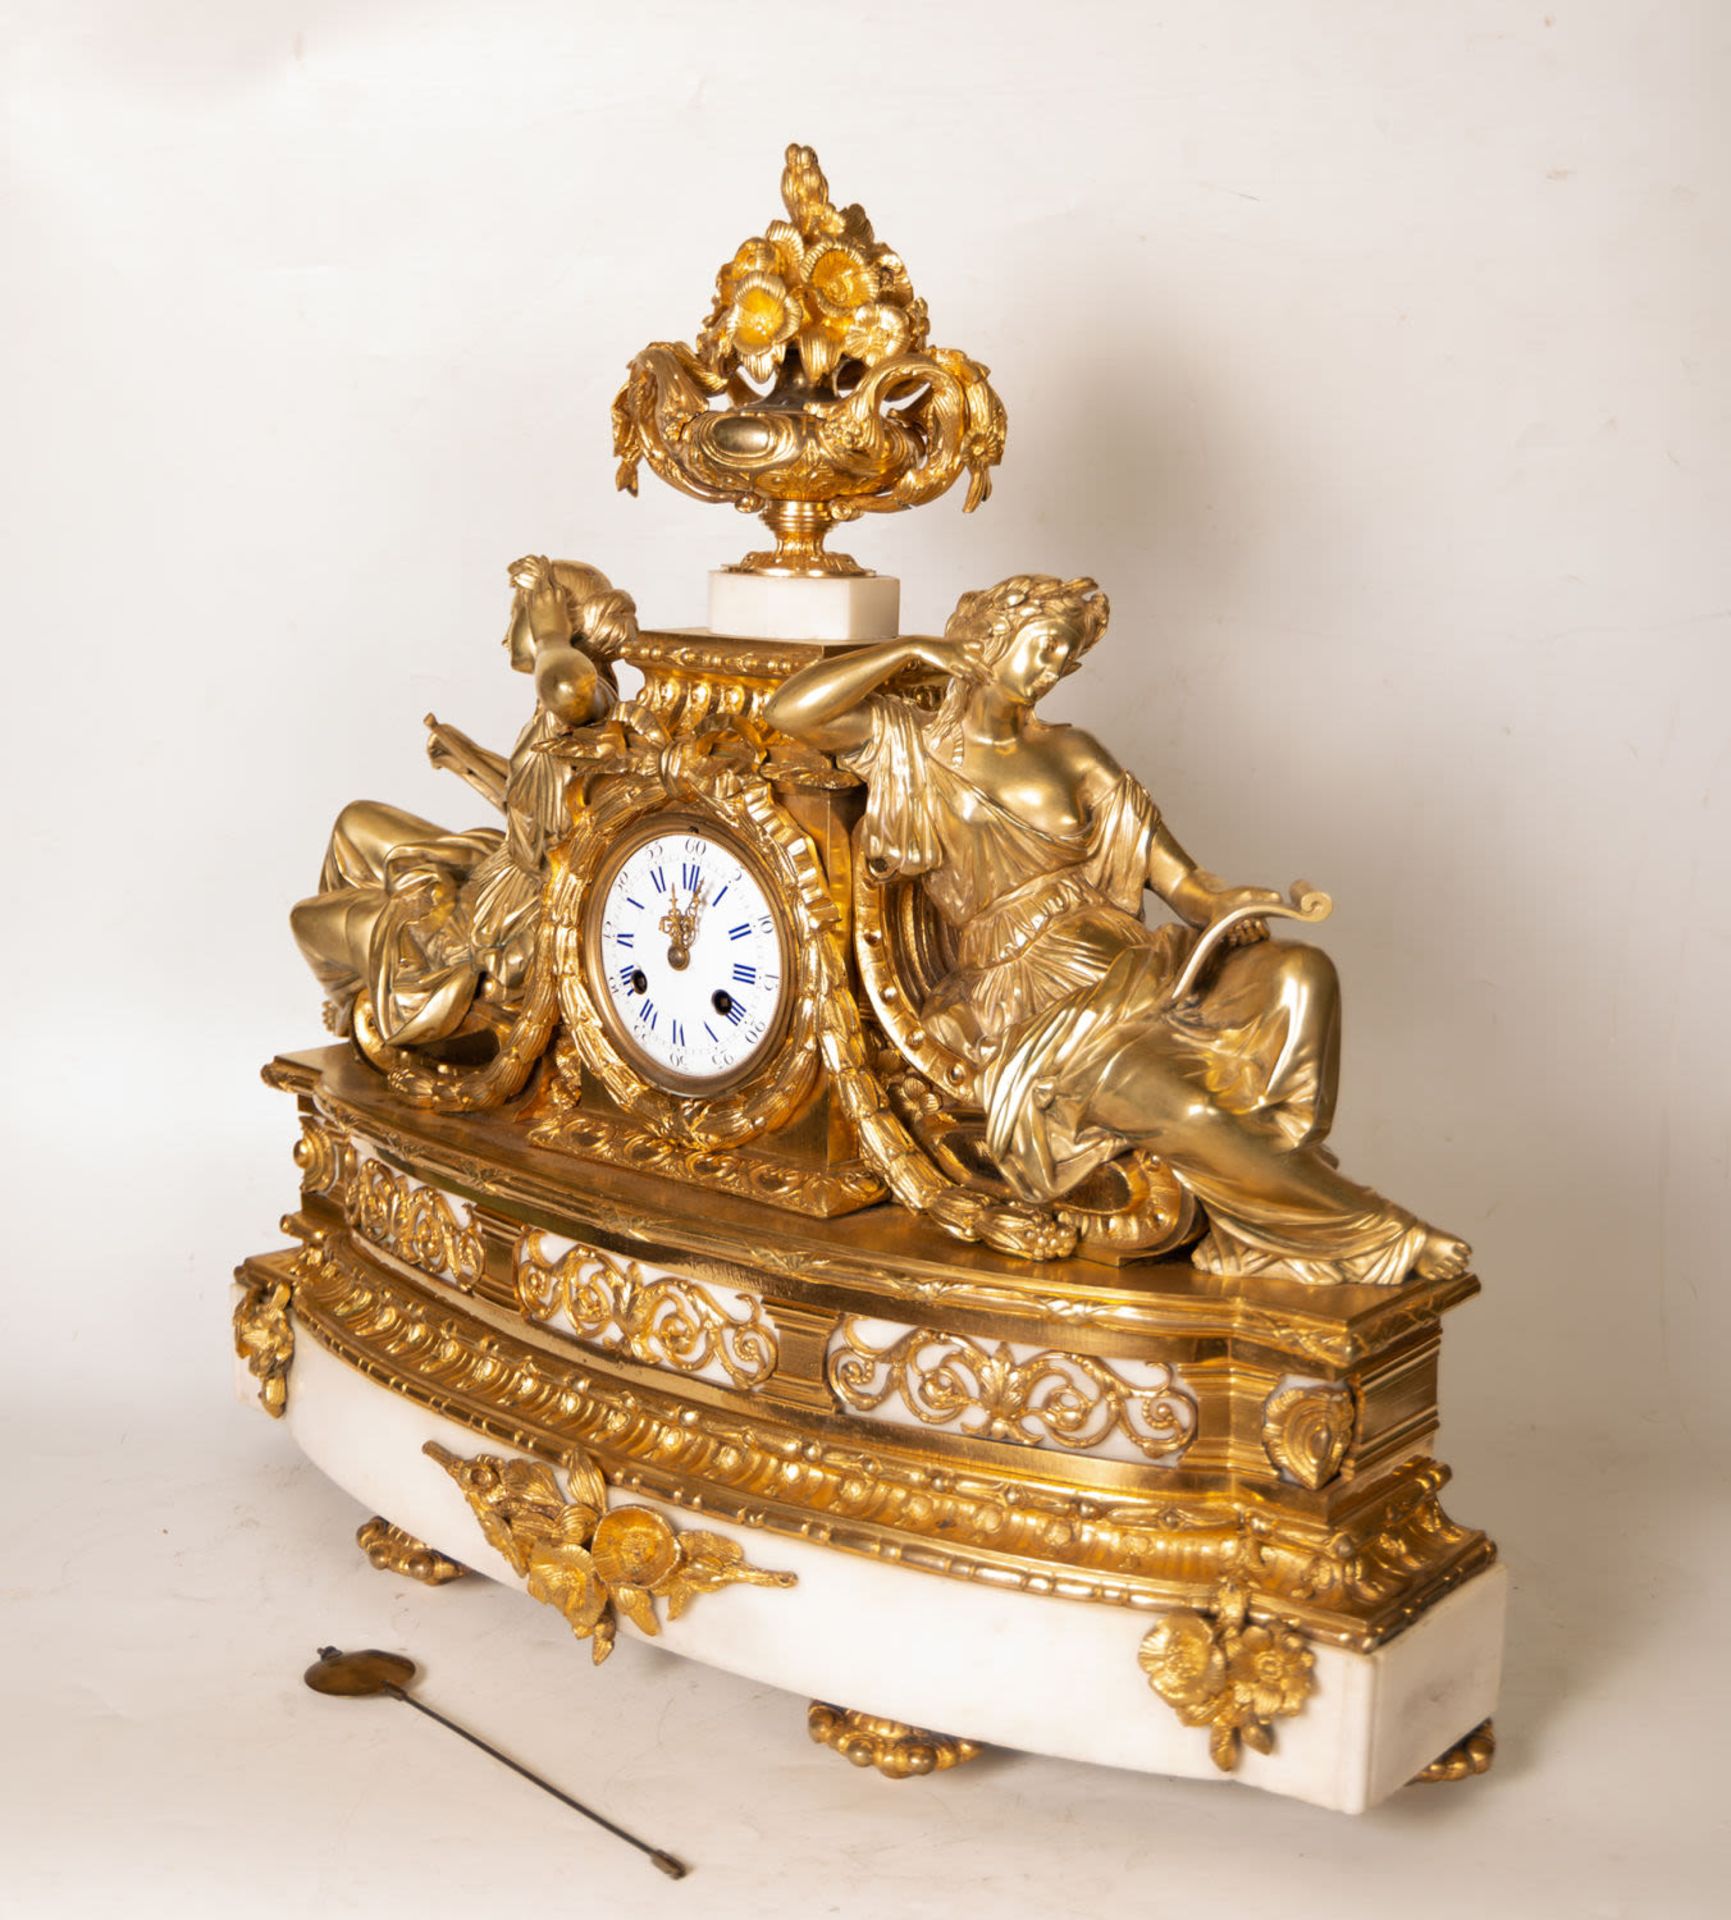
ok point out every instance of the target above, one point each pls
(415, 1222)
(1349, 1585)
(1000, 1391)
(662, 1319)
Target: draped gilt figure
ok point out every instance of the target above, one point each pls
(1089, 1032)
(419, 934)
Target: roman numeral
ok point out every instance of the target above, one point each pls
(625, 939)
(747, 976)
(739, 932)
(736, 1013)
(659, 878)
(689, 876)
(649, 1016)
(678, 1034)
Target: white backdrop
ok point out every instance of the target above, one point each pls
(1373, 358)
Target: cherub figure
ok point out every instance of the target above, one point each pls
(1082, 1033)
(436, 926)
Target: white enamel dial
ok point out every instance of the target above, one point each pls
(690, 956)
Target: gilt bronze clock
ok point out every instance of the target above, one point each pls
(827, 1179)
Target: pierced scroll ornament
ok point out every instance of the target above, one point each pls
(1068, 1399)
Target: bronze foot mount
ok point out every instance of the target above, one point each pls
(392, 1550)
(898, 1751)
(1468, 1756)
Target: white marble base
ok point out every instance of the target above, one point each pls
(762, 606)
(1013, 1669)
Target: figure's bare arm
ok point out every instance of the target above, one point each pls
(567, 681)
(1191, 891)
(569, 686)
(821, 704)
(1198, 896)
(449, 747)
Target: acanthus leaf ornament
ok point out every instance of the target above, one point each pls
(264, 1338)
(589, 1562)
(1307, 1430)
(861, 414)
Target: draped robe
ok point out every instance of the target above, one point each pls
(1058, 977)
(424, 965)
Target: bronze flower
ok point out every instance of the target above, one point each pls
(761, 317)
(590, 1563)
(1232, 1678)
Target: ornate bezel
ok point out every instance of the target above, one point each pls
(718, 801)
(656, 825)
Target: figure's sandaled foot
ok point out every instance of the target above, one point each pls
(898, 1751)
(1443, 1257)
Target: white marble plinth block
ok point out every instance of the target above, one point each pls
(762, 606)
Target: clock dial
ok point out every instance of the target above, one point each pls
(690, 957)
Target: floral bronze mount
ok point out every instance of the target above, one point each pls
(812, 394)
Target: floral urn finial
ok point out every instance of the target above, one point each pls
(811, 394)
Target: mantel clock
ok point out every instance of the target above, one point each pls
(825, 1178)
